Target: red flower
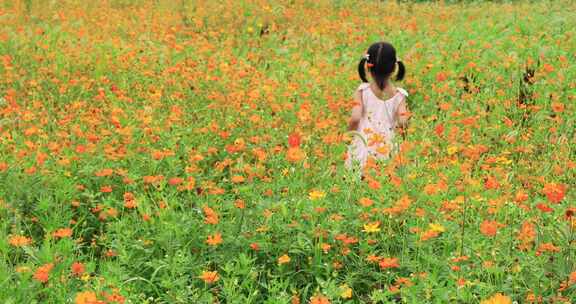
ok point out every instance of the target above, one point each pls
(77, 269)
(544, 208)
(294, 140)
(439, 130)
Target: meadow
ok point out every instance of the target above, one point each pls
(193, 152)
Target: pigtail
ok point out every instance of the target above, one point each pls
(361, 70)
(401, 71)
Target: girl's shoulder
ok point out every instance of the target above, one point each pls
(402, 91)
(363, 86)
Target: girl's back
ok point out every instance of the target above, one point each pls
(380, 108)
(380, 115)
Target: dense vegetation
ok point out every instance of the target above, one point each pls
(192, 152)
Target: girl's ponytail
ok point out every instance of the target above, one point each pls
(361, 70)
(401, 71)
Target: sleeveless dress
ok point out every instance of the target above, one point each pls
(375, 136)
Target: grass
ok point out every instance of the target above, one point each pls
(136, 134)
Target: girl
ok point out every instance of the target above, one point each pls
(380, 106)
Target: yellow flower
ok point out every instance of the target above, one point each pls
(371, 227)
(316, 195)
(21, 269)
(503, 160)
(346, 291)
(452, 150)
(498, 299)
(283, 259)
(85, 297)
(437, 227)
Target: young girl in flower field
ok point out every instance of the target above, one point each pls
(380, 107)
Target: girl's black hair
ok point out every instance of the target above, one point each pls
(381, 61)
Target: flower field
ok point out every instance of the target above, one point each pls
(193, 152)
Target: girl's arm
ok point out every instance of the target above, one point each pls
(402, 114)
(402, 117)
(356, 112)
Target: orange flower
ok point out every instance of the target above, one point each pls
(557, 107)
(389, 263)
(42, 274)
(175, 181)
(86, 297)
(373, 184)
(429, 234)
(400, 206)
(211, 217)
(236, 179)
(19, 240)
(128, 196)
(62, 233)
(373, 258)
(77, 269)
(526, 235)
(295, 154)
(104, 172)
(365, 202)
(554, 192)
(259, 153)
(572, 278)
(129, 200)
(130, 204)
(214, 240)
(491, 183)
(497, 299)
(441, 76)
(319, 299)
(490, 228)
(152, 179)
(548, 68)
(113, 298)
(461, 282)
(547, 247)
(295, 299)
(209, 276)
(520, 196)
(240, 204)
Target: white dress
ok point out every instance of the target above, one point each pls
(375, 136)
